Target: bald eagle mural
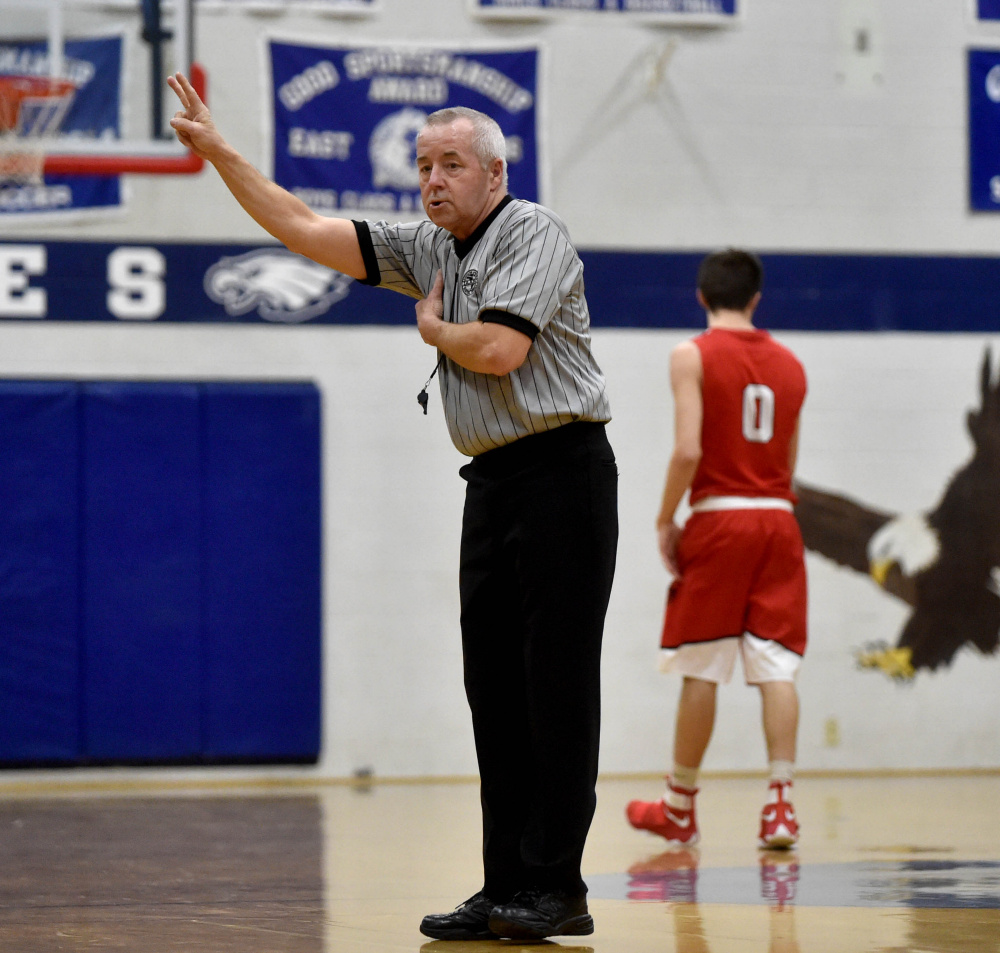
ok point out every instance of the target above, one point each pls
(944, 563)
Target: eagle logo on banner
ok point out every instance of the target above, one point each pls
(944, 563)
(282, 286)
(392, 150)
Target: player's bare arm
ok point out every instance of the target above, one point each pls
(483, 347)
(685, 384)
(330, 241)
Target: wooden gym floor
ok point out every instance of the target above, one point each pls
(147, 864)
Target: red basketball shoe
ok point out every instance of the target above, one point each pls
(779, 827)
(677, 825)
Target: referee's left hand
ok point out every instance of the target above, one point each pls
(430, 311)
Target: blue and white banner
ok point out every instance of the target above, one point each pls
(95, 67)
(346, 119)
(187, 283)
(984, 130)
(686, 11)
(988, 9)
(137, 283)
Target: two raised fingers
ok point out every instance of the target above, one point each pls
(186, 93)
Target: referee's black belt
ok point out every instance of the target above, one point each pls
(540, 447)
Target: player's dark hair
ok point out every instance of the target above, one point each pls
(729, 279)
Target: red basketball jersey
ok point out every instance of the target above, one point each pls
(752, 390)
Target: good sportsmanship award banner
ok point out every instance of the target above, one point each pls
(688, 11)
(346, 119)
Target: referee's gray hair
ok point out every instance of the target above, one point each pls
(488, 142)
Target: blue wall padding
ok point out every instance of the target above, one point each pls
(263, 554)
(39, 540)
(141, 570)
(160, 573)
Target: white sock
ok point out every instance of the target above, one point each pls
(782, 772)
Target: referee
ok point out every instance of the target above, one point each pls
(501, 299)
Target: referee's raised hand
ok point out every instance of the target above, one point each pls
(193, 124)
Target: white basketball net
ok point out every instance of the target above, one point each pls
(32, 109)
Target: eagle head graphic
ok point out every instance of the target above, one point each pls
(944, 563)
(282, 286)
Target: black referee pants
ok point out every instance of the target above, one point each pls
(539, 540)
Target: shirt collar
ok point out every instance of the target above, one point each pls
(464, 245)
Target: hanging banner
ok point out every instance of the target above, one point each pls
(346, 119)
(90, 112)
(695, 12)
(984, 130)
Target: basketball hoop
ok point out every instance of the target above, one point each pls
(32, 109)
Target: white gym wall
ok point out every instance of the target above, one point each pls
(816, 128)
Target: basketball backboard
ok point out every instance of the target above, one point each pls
(82, 83)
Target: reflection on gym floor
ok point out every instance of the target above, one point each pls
(149, 863)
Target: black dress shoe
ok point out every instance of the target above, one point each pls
(468, 921)
(535, 914)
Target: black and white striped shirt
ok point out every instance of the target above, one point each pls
(520, 269)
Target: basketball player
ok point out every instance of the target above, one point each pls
(501, 300)
(739, 585)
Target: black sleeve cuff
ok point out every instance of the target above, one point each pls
(372, 274)
(515, 321)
